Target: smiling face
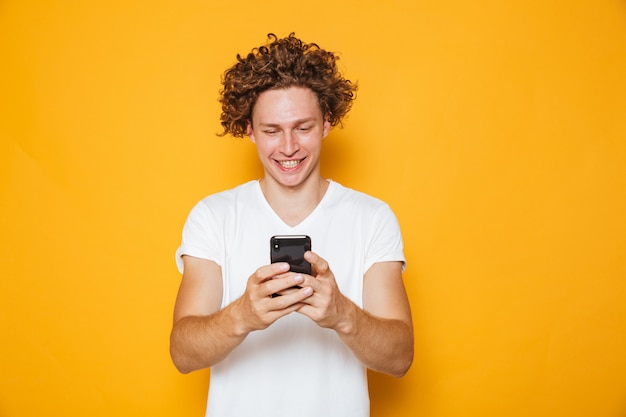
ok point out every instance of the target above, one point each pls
(288, 128)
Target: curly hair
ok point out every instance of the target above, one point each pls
(283, 63)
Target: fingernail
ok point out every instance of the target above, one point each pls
(298, 278)
(307, 291)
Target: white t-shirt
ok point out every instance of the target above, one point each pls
(293, 367)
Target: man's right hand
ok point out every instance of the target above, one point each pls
(260, 306)
(203, 334)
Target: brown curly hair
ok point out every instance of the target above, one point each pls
(283, 63)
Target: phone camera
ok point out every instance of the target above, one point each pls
(276, 247)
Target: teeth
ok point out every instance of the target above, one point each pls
(290, 164)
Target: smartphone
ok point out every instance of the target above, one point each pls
(290, 249)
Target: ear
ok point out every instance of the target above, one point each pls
(326, 126)
(250, 132)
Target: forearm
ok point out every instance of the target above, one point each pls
(383, 345)
(199, 342)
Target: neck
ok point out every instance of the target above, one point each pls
(294, 204)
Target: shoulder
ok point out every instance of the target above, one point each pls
(356, 206)
(345, 195)
(227, 197)
(220, 204)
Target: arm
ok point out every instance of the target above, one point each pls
(202, 334)
(380, 334)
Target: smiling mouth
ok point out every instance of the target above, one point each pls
(292, 163)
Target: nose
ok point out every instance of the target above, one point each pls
(289, 143)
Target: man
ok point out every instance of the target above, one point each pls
(304, 352)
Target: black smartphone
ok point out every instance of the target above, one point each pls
(290, 249)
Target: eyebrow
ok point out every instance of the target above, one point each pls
(294, 123)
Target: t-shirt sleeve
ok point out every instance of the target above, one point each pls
(386, 243)
(200, 236)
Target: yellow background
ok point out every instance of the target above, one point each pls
(496, 130)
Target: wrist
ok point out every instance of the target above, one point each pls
(347, 324)
(237, 320)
